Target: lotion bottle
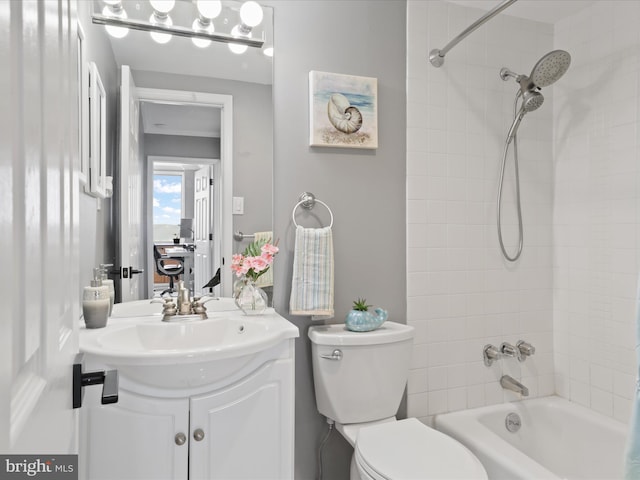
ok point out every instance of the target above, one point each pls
(95, 302)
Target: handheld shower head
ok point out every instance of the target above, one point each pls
(531, 100)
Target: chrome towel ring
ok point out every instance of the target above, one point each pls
(308, 200)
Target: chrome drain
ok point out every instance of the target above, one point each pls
(513, 422)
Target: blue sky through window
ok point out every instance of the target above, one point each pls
(167, 199)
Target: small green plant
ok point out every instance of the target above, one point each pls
(361, 305)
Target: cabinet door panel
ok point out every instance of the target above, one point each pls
(248, 428)
(134, 439)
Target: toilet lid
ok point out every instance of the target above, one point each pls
(408, 449)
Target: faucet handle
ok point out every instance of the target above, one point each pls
(524, 350)
(508, 350)
(490, 354)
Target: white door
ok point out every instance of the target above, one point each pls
(39, 195)
(130, 254)
(202, 229)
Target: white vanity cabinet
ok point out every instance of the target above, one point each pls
(134, 438)
(247, 428)
(240, 427)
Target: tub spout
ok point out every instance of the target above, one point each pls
(512, 384)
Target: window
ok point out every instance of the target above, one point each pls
(167, 206)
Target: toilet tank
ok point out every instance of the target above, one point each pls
(367, 382)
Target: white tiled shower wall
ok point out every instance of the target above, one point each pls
(596, 207)
(575, 282)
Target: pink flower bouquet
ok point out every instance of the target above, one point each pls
(254, 261)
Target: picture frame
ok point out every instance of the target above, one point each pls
(343, 110)
(97, 134)
(83, 109)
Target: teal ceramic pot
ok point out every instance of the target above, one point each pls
(358, 321)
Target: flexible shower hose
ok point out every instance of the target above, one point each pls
(519, 208)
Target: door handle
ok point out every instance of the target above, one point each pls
(127, 272)
(108, 380)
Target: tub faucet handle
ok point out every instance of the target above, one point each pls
(508, 350)
(490, 354)
(524, 350)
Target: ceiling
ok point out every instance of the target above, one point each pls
(188, 120)
(547, 11)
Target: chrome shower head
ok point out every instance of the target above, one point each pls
(550, 68)
(531, 100)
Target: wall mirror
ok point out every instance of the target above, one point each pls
(187, 137)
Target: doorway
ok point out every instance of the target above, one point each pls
(220, 236)
(184, 210)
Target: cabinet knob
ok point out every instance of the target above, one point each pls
(180, 438)
(198, 434)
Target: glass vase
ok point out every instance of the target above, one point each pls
(251, 299)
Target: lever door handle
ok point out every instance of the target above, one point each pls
(108, 379)
(110, 387)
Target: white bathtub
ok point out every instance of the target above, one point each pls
(558, 440)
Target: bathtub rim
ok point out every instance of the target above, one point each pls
(477, 436)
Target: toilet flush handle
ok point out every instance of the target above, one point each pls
(335, 355)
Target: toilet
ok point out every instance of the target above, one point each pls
(359, 381)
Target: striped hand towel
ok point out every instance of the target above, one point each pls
(312, 284)
(266, 279)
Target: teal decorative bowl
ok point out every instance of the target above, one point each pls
(358, 321)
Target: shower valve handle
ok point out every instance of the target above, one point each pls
(524, 350)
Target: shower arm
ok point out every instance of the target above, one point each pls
(436, 56)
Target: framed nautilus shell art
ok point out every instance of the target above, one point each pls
(343, 110)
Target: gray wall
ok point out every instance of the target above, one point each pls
(364, 188)
(181, 146)
(98, 230)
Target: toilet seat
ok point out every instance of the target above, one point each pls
(408, 449)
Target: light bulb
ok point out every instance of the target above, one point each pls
(236, 47)
(115, 32)
(268, 51)
(251, 13)
(209, 8)
(158, 36)
(162, 6)
(198, 26)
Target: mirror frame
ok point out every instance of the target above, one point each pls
(97, 134)
(225, 223)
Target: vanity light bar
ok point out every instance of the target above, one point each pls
(175, 30)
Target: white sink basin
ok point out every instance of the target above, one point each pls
(184, 354)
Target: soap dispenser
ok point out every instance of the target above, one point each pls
(95, 302)
(106, 281)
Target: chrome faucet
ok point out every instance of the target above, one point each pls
(510, 383)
